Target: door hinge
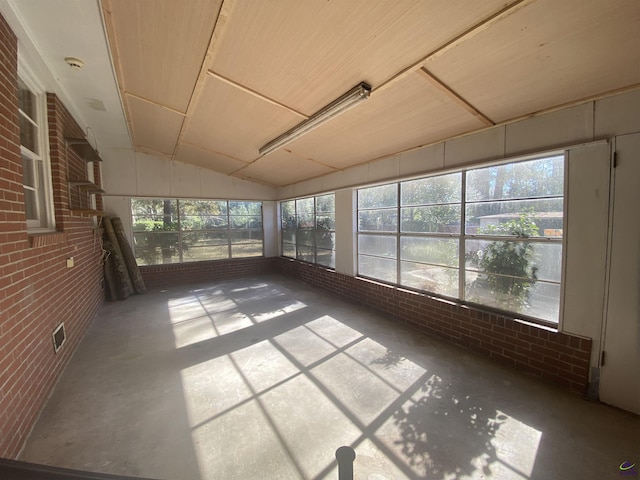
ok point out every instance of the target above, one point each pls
(615, 159)
(602, 357)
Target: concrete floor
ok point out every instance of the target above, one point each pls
(265, 378)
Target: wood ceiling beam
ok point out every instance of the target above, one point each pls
(256, 94)
(226, 7)
(433, 80)
(466, 35)
(152, 102)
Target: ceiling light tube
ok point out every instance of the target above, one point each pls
(335, 108)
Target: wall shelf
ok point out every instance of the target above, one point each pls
(86, 186)
(84, 149)
(88, 212)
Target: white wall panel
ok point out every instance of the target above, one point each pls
(486, 145)
(384, 168)
(185, 180)
(154, 176)
(587, 210)
(618, 115)
(423, 159)
(270, 226)
(119, 171)
(564, 127)
(346, 238)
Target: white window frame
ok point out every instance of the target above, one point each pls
(315, 230)
(44, 188)
(462, 237)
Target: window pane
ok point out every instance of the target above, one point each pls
(432, 219)
(513, 275)
(326, 257)
(521, 258)
(325, 222)
(28, 172)
(154, 214)
(245, 236)
(247, 249)
(306, 220)
(31, 203)
(203, 214)
(521, 217)
(532, 178)
(441, 280)
(245, 208)
(305, 205)
(209, 245)
(378, 197)
(203, 222)
(378, 220)
(289, 250)
(305, 253)
(541, 301)
(429, 250)
(382, 246)
(26, 100)
(154, 223)
(153, 248)
(306, 238)
(325, 240)
(289, 236)
(203, 207)
(376, 267)
(288, 214)
(28, 134)
(326, 204)
(432, 190)
(246, 221)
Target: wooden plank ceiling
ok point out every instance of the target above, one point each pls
(209, 82)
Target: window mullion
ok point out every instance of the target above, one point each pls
(462, 236)
(179, 217)
(228, 230)
(398, 229)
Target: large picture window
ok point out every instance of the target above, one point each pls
(308, 229)
(174, 230)
(508, 256)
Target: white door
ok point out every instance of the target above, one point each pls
(619, 375)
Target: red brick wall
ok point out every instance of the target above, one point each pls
(557, 357)
(163, 276)
(37, 290)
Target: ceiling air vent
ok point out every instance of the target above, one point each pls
(59, 337)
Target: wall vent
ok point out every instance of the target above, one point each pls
(59, 337)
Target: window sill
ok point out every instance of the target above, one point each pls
(45, 239)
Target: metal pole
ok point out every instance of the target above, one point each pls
(345, 457)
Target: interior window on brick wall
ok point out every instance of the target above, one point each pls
(34, 154)
(308, 229)
(175, 230)
(508, 256)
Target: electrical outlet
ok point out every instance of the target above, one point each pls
(69, 262)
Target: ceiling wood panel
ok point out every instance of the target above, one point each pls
(161, 45)
(305, 54)
(243, 72)
(207, 159)
(546, 54)
(413, 112)
(155, 129)
(282, 168)
(234, 122)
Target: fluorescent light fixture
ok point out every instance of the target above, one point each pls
(340, 105)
